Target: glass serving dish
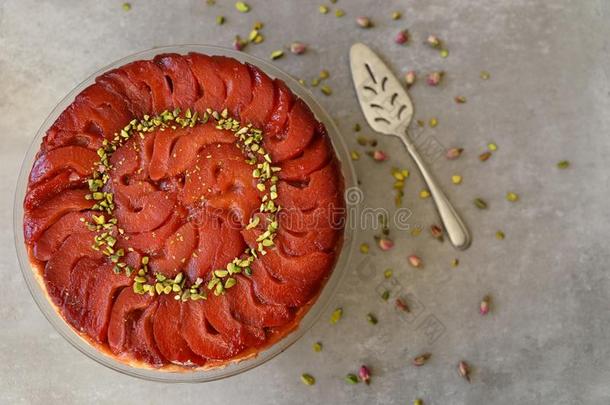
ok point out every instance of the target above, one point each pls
(343, 263)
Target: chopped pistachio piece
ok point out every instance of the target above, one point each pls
(512, 197)
(242, 7)
(277, 54)
(252, 36)
(308, 379)
(362, 141)
(221, 273)
(480, 203)
(326, 90)
(351, 379)
(336, 315)
(372, 319)
(230, 282)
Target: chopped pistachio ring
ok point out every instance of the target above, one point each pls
(106, 227)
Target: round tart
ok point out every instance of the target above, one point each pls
(184, 212)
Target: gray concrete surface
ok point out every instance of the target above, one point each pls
(546, 340)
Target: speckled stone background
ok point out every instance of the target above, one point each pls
(548, 99)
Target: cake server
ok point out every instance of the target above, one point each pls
(389, 110)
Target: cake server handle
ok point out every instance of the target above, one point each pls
(454, 226)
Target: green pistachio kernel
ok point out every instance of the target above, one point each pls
(230, 282)
(362, 141)
(219, 289)
(159, 288)
(221, 273)
(372, 319)
(138, 288)
(351, 379)
(277, 54)
(308, 379)
(336, 315)
(242, 7)
(212, 283)
(480, 203)
(512, 197)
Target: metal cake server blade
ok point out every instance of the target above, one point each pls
(388, 109)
